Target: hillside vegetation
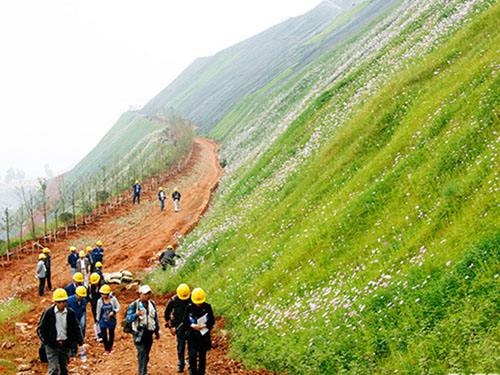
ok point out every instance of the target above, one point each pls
(357, 229)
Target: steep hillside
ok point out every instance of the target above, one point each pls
(208, 89)
(357, 229)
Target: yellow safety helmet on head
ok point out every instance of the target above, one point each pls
(176, 189)
(59, 295)
(136, 181)
(160, 188)
(98, 264)
(170, 247)
(46, 250)
(183, 291)
(105, 289)
(41, 256)
(95, 278)
(198, 296)
(81, 254)
(88, 249)
(99, 243)
(78, 277)
(72, 249)
(81, 291)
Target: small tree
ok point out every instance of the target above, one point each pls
(29, 204)
(42, 182)
(6, 228)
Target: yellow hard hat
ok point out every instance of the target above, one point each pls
(176, 189)
(59, 295)
(198, 296)
(170, 247)
(88, 249)
(81, 254)
(81, 291)
(46, 250)
(183, 291)
(95, 278)
(105, 289)
(98, 264)
(160, 188)
(41, 256)
(136, 181)
(72, 248)
(78, 277)
(99, 243)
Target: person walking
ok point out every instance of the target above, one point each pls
(136, 188)
(83, 266)
(78, 303)
(41, 274)
(72, 259)
(78, 280)
(176, 196)
(174, 318)
(143, 317)
(46, 252)
(90, 256)
(98, 252)
(59, 330)
(98, 270)
(93, 295)
(107, 308)
(161, 197)
(199, 320)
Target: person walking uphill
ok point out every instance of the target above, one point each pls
(46, 252)
(93, 295)
(107, 308)
(174, 317)
(72, 259)
(78, 280)
(78, 303)
(199, 320)
(143, 316)
(136, 188)
(98, 253)
(176, 196)
(83, 266)
(161, 197)
(41, 273)
(59, 330)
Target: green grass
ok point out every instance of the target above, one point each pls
(12, 308)
(379, 253)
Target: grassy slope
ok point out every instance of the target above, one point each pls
(381, 252)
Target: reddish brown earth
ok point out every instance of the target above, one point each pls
(132, 236)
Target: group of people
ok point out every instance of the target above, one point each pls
(62, 326)
(162, 196)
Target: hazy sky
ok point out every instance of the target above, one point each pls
(69, 68)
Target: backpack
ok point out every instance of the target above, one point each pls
(127, 327)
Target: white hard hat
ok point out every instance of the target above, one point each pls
(145, 289)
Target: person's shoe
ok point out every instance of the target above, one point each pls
(180, 369)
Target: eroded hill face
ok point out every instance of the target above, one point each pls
(356, 229)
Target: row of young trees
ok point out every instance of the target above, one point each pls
(45, 215)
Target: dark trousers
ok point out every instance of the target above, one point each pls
(58, 360)
(180, 336)
(143, 349)
(108, 338)
(41, 286)
(49, 281)
(137, 197)
(197, 359)
(162, 204)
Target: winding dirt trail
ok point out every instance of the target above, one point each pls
(133, 236)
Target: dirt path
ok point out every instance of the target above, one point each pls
(132, 236)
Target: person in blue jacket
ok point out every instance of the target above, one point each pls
(143, 316)
(98, 252)
(137, 192)
(78, 280)
(72, 259)
(78, 303)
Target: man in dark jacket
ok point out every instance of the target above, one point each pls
(48, 280)
(136, 188)
(72, 259)
(59, 330)
(176, 196)
(199, 320)
(174, 317)
(168, 257)
(98, 252)
(161, 197)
